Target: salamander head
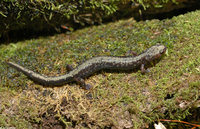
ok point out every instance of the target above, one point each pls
(154, 52)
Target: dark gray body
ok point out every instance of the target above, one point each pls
(95, 64)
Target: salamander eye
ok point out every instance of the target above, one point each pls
(162, 51)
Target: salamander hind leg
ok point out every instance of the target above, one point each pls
(69, 67)
(78, 79)
(131, 53)
(82, 83)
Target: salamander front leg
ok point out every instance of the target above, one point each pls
(143, 70)
(78, 79)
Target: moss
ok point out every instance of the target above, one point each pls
(168, 91)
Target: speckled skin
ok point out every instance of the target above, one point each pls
(95, 64)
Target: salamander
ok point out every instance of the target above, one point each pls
(95, 64)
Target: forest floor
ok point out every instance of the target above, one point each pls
(171, 90)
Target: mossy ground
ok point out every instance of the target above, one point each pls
(123, 100)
